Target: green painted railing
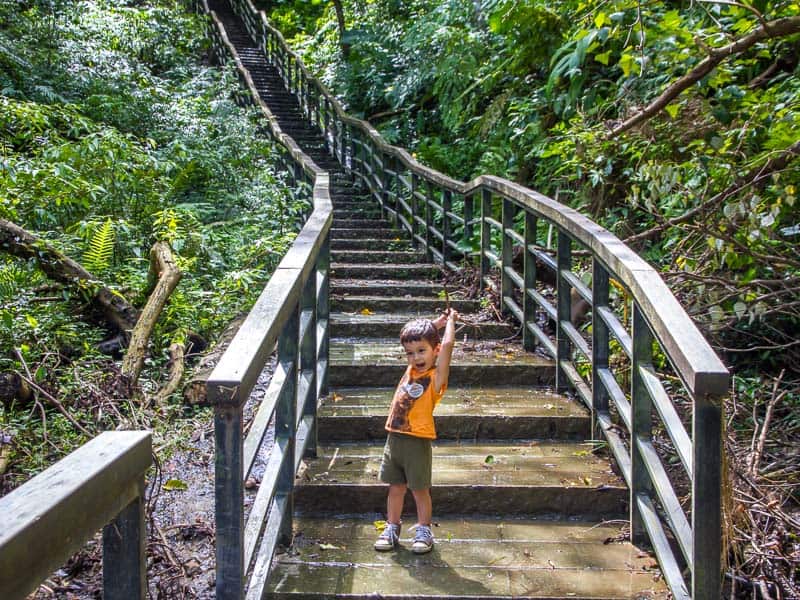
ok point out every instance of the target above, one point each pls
(642, 355)
(46, 520)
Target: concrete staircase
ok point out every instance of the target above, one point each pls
(524, 507)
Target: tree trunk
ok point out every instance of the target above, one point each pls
(337, 5)
(176, 369)
(19, 242)
(194, 392)
(163, 265)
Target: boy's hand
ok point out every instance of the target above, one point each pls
(452, 315)
(440, 321)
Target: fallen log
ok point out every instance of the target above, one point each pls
(167, 275)
(21, 243)
(176, 370)
(194, 392)
(12, 386)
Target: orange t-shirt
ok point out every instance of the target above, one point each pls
(412, 407)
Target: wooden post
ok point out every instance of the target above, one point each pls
(229, 505)
(641, 421)
(124, 559)
(307, 403)
(564, 309)
(447, 207)
(469, 228)
(428, 219)
(707, 498)
(600, 344)
(323, 315)
(486, 234)
(286, 416)
(528, 303)
(506, 283)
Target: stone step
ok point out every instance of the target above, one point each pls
(407, 304)
(370, 244)
(380, 362)
(378, 255)
(356, 212)
(385, 271)
(362, 223)
(471, 413)
(524, 477)
(386, 287)
(389, 324)
(476, 557)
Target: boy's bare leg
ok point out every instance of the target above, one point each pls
(394, 502)
(422, 498)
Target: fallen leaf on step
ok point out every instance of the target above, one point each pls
(379, 525)
(328, 547)
(175, 485)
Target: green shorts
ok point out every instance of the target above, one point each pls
(407, 459)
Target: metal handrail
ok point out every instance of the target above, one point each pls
(46, 520)
(292, 314)
(496, 220)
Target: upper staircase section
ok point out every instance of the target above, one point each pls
(637, 355)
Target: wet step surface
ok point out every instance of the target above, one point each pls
(376, 361)
(408, 304)
(387, 325)
(526, 477)
(476, 412)
(478, 557)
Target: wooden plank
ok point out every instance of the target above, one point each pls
(542, 338)
(609, 382)
(62, 507)
(576, 339)
(616, 328)
(259, 424)
(577, 285)
(617, 445)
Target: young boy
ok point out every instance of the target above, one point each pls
(407, 457)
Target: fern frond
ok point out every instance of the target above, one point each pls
(9, 285)
(101, 248)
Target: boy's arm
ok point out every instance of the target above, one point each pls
(447, 344)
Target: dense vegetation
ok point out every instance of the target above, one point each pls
(114, 135)
(674, 124)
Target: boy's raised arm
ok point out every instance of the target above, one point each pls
(447, 344)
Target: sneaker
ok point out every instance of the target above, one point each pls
(423, 539)
(389, 539)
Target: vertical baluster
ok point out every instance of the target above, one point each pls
(124, 557)
(600, 344)
(469, 228)
(447, 207)
(308, 360)
(286, 416)
(323, 315)
(428, 219)
(509, 210)
(229, 505)
(351, 150)
(326, 119)
(563, 263)
(641, 420)
(528, 303)
(706, 497)
(414, 208)
(334, 133)
(486, 234)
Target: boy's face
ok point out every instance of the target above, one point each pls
(421, 355)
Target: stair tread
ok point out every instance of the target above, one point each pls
(473, 400)
(381, 351)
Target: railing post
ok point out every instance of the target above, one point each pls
(469, 228)
(323, 315)
(447, 207)
(529, 270)
(600, 344)
(351, 151)
(564, 309)
(706, 498)
(506, 284)
(486, 234)
(229, 505)
(286, 416)
(124, 559)
(308, 360)
(428, 219)
(641, 421)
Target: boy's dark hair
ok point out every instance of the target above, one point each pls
(418, 330)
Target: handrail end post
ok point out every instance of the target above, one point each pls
(124, 552)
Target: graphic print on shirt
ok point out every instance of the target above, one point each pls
(410, 391)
